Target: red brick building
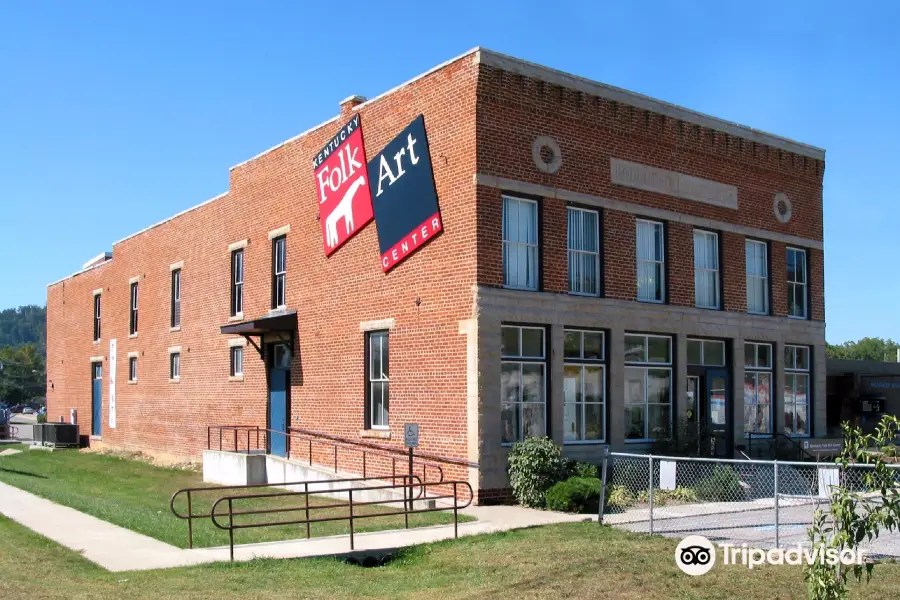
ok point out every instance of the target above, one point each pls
(612, 268)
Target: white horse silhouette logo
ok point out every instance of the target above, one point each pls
(343, 209)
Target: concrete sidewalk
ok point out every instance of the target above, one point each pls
(118, 549)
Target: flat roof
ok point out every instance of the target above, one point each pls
(842, 366)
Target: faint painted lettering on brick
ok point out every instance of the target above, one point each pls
(644, 177)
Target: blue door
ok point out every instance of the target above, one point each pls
(279, 381)
(96, 398)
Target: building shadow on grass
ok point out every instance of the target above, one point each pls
(26, 473)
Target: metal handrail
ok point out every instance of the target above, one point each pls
(775, 436)
(190, 516)
(252, 433)
(335, 438)
(408, 509)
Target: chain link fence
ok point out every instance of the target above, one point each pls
(764, 504)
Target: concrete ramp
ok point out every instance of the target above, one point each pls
(239, 468)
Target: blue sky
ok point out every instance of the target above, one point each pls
(117, 115)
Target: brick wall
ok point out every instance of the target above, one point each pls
(427, 296)
(481, 121)
(514, 109)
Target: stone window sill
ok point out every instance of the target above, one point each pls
(174, 329)
(175, 380)
(235, 378)
(132, 382)
(96, 438)
(131, 336)
(381, 434)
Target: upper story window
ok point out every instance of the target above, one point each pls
(706, 269)
(523, 383)
(175, 320)
(707, 353)
(584, 251)
(520, 243)
(796, 283)
(796, 390)
(279, 272)
(378, 379)
(237, 282)
(650, 261)
(133, 313)
(757, 387)
(96, 317)
(757, 277)
(648, 386)
(584, 386)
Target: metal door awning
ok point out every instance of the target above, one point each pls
(282, 322)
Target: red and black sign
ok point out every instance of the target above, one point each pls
(342, 186)
(403, 195)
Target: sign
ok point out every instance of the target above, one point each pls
(342, 186)
(411, 435)
(829, 477)
(112, 383)
(671, 183)
(667, 474)
(871, 405)
(403, 195)
(824, 446)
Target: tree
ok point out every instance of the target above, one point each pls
(867, 348)
(22, 374)
(24, 325)
(857, 513)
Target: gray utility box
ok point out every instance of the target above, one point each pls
(58, 435)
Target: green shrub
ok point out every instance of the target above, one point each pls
(629, 473)
(42, 418)
(684, 494)
(575, 495)
(724, 485)
(535, 465)
(619, 497)
(577, 468)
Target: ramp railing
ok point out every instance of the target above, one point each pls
(226, 519)
(409, 484)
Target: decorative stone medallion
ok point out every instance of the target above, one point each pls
(546, 154)
(782, 207)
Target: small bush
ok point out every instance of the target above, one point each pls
(629, 473)
(724, 485)
(577, 468)
(619, 497)
(684, 494)
(660, 497)
(535, 465)
(42, 418)
(575, 495)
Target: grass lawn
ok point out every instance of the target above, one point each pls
(575, 560)
(136, 495)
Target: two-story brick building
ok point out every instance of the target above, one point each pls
(611, 268)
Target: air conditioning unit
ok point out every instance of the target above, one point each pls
(57, 435)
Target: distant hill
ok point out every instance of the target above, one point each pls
(24, 325)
